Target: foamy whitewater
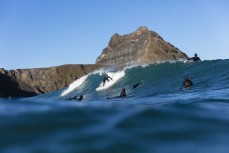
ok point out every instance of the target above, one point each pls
(157, 116)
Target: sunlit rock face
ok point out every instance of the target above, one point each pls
(140, 47)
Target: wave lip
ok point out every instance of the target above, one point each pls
(74, 85)
(115, 77)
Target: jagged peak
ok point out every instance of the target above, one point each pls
(116, 35)
(2, 70)
(115, 39)
(142, 30)
(141, 46)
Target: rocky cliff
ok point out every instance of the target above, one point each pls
(140, 47)
(30, 82)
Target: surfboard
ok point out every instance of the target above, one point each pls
(186, 88)
(188, 61)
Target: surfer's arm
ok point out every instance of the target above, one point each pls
(110, 78)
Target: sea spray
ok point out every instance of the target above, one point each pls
(74, 85)
(115, 77)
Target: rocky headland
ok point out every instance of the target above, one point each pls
(140, 47)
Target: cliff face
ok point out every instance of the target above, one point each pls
(141, 47)
(30, 82)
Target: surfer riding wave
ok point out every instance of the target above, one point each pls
(106, 78)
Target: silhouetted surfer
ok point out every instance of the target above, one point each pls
(195, 58)
(75, 98)
(122, 94)
(187, 82)
(80, 98)
(106, 78)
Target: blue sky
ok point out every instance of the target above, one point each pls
(44, 33)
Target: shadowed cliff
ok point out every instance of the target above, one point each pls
(30, 82)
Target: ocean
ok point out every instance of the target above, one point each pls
(158, 116)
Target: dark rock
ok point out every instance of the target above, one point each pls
(2, 71)
(10, 88)
(30, 82)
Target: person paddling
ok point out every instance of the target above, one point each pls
(76, 98)
(122, 94)
(187, 82)
(80, 98)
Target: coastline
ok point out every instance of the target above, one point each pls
(35, 81)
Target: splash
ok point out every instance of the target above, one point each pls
(74, 85)
(115, 77)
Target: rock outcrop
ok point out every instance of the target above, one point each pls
(31, 82)
(141, 47)
(10, 88)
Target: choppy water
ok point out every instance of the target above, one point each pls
(157, 116)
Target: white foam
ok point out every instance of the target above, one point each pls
(100, 72)
(115, 76)
(74, 85)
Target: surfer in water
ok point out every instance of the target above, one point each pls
(122, 94)
(187, 82)
(80, 98)
(75, 98)
(106, 78)
(195, 58)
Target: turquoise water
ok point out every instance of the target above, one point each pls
(157, 116)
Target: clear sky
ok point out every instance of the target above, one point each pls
(44, 33)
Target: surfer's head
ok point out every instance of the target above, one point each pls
(186, 77)
(80, 98)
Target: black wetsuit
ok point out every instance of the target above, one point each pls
(80, 98)
(123, 93)
(106, 78)
(187, 83)
(195, 59)
(75, 98)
